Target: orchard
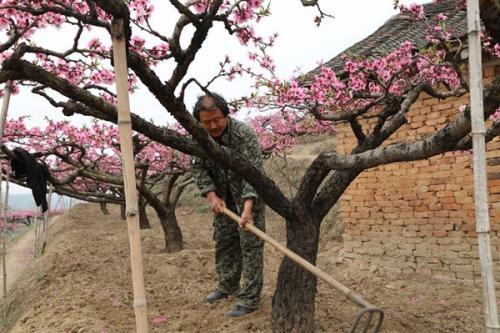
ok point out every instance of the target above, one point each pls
(86, 161)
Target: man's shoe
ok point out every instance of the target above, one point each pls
(215, 296)
(239, 311)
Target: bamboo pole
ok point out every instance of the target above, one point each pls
(351, 295)
(3, 117)
(128, 167)
(46, 220)
(479, 166)
(5, 107)
(40, 230)
(4, 248)
(35, 238)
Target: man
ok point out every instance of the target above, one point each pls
(237, 251)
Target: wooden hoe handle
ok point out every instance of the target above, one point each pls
(351, 295)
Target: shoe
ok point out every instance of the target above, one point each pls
(239, 311)
(215, 296)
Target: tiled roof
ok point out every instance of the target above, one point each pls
(400, 28)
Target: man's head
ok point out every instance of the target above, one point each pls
(212, 111)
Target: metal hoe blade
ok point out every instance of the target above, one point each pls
(365, 325)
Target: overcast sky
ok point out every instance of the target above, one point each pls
(300, 44)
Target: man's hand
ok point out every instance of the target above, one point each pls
(247, 216)
(216, 203)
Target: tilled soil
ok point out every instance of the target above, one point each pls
(83, 284)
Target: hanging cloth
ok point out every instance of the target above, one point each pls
(24, 164)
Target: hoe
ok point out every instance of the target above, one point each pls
(368, 319)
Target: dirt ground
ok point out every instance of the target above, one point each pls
(83, 284)
(18, 256)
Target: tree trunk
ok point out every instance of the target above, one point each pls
(293, 300)
(104, 208)
(490, 10)
(173, 234)
(143, 217)
(123, 215)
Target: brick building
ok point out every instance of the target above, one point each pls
(418, 217)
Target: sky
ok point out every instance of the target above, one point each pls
(300, 45)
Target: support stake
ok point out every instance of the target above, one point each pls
(128, 167)
(479, 167)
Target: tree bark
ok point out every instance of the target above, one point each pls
(490, 11)
(143, 216)
(172, 231)
(104, 208)
(293, 300)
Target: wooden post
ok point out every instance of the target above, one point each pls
(5, 107)
(128, 167)
(46, 220)
(3, 117)
(4, 248)
(35, 238)
(479, 166)
(40, 229)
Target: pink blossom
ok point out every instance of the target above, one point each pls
(350, 66)
(267, 62)
(137, 42)
(160, 51)
(252, 56)
(141, 9)
(414, 10)
(242, 15)
(245, 35)
(254, 4)
(496, 115)
(159, 319)
(441, 17)
(200, 6)
(496, 50)
(94, 44)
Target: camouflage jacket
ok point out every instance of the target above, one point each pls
(211, 176)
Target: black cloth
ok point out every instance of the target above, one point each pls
(24, 164)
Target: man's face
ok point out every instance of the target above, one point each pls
(212, 119)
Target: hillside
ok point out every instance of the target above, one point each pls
(83, 284)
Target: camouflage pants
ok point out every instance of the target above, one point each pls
(238, 251)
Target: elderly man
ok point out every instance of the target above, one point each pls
(236, 250)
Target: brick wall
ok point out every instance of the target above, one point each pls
(418, 217)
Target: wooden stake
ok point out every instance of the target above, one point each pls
(46, 220)
(3, 117)
(4, 248)
(479, 166)
(35, 238)
(128, 167)
(5, 107)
